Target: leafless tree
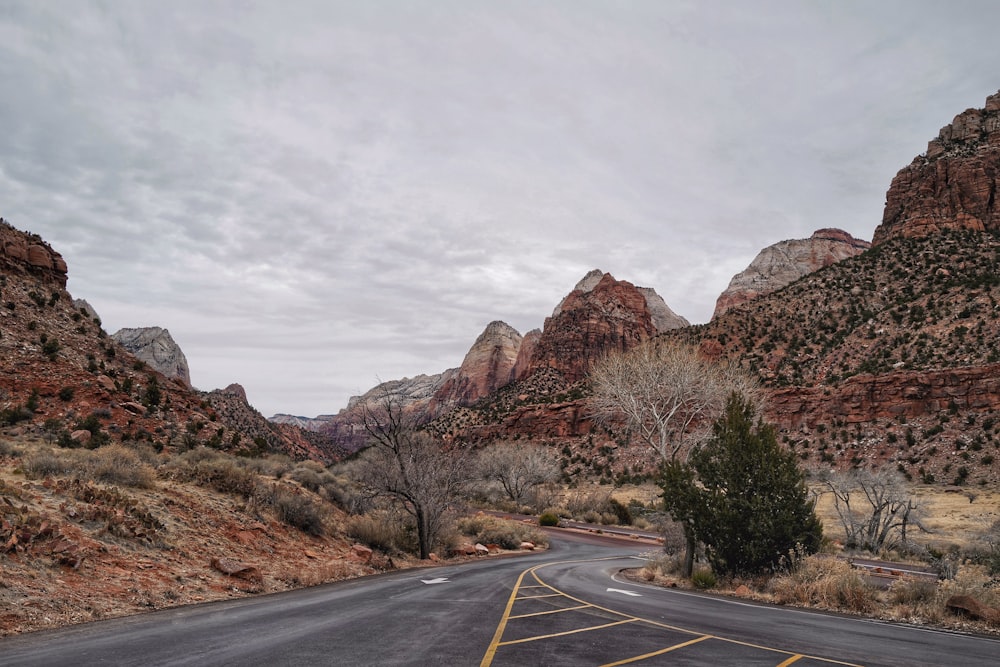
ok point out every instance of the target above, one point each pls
(874, 507)
(667, 394)
(519, 468)
(410, 467)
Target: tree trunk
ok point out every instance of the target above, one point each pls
(689, 548)
(423, 536)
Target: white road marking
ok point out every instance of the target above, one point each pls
(624, 592)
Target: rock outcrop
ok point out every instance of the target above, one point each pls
(155, 347)
(589, 323)
(785, 262)
(663, 317)
(27, 253)
(953, 185)
(487, 366)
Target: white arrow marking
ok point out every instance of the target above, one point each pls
(439, 580)
(624, 592)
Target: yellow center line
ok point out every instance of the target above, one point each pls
(568, 632)
(552, 611)
(794, 658)
(660, 652)
(539, 597)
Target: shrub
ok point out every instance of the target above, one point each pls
(45, 463)
(116, 464)
(297, 510)
(703, 579)
(548, 519)
(384, 531)
(502, 532)
(66, 394)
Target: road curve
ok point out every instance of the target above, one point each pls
(560, 607)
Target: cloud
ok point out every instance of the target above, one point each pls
(315, 195)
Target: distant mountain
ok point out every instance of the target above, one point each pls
(156, 347)
(785, 262)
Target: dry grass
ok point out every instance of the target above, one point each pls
(502, 532)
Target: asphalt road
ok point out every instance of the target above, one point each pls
(551, 608)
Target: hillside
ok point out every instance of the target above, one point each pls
(62, 375)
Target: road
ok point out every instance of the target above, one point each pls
(560, 607)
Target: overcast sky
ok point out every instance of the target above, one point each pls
(312, 196)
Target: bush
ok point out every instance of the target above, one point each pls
(297, 510)
(45, 463)
(116, 464)
(383, 531)
(548, 519)
(703, 579)
(504, 533)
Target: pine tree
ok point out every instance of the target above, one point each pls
(744, 496)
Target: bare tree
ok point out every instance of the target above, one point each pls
(410, 467)
(519, 468)
(875, 508)
(667, 394)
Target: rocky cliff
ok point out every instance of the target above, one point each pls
(27, 254)
(592, 320)
(785, 262)
(62, 376)
(663, 317)
(951, 186)
(157, 348)
(487, 366)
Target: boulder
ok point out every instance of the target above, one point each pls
(234, 568)
(361, 553)
(966, 605)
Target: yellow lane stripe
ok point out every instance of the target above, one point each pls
(683, 630)
(539, 597)
(492, 649)
(656, 653)
(553, 611)
(568, 632)
(794, 658)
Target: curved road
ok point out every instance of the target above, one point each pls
(560, 607)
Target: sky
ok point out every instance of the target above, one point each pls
(315, 196)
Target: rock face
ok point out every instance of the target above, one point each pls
(27, 253)
(487, 366)
(785, 262)
(663, 317)
(612, 315)
(954, 184)
(157, 348)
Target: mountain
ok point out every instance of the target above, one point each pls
(488, 365)
(785, 262)
(953, 185)
(62, 376)
(880, 356)
(600, 314)
(157, 348)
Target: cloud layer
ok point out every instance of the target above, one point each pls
(315, 195)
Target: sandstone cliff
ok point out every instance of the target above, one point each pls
(27, 254)
(663, 317)
(157, 348)
(588, 324)
(487, 366)
(785, 262)
(951, 186)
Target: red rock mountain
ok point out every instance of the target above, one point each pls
(951, 186)
(593, 319)
(487, 366)
(60, 372)
(785, 262)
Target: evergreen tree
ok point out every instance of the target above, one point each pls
(743, 495)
